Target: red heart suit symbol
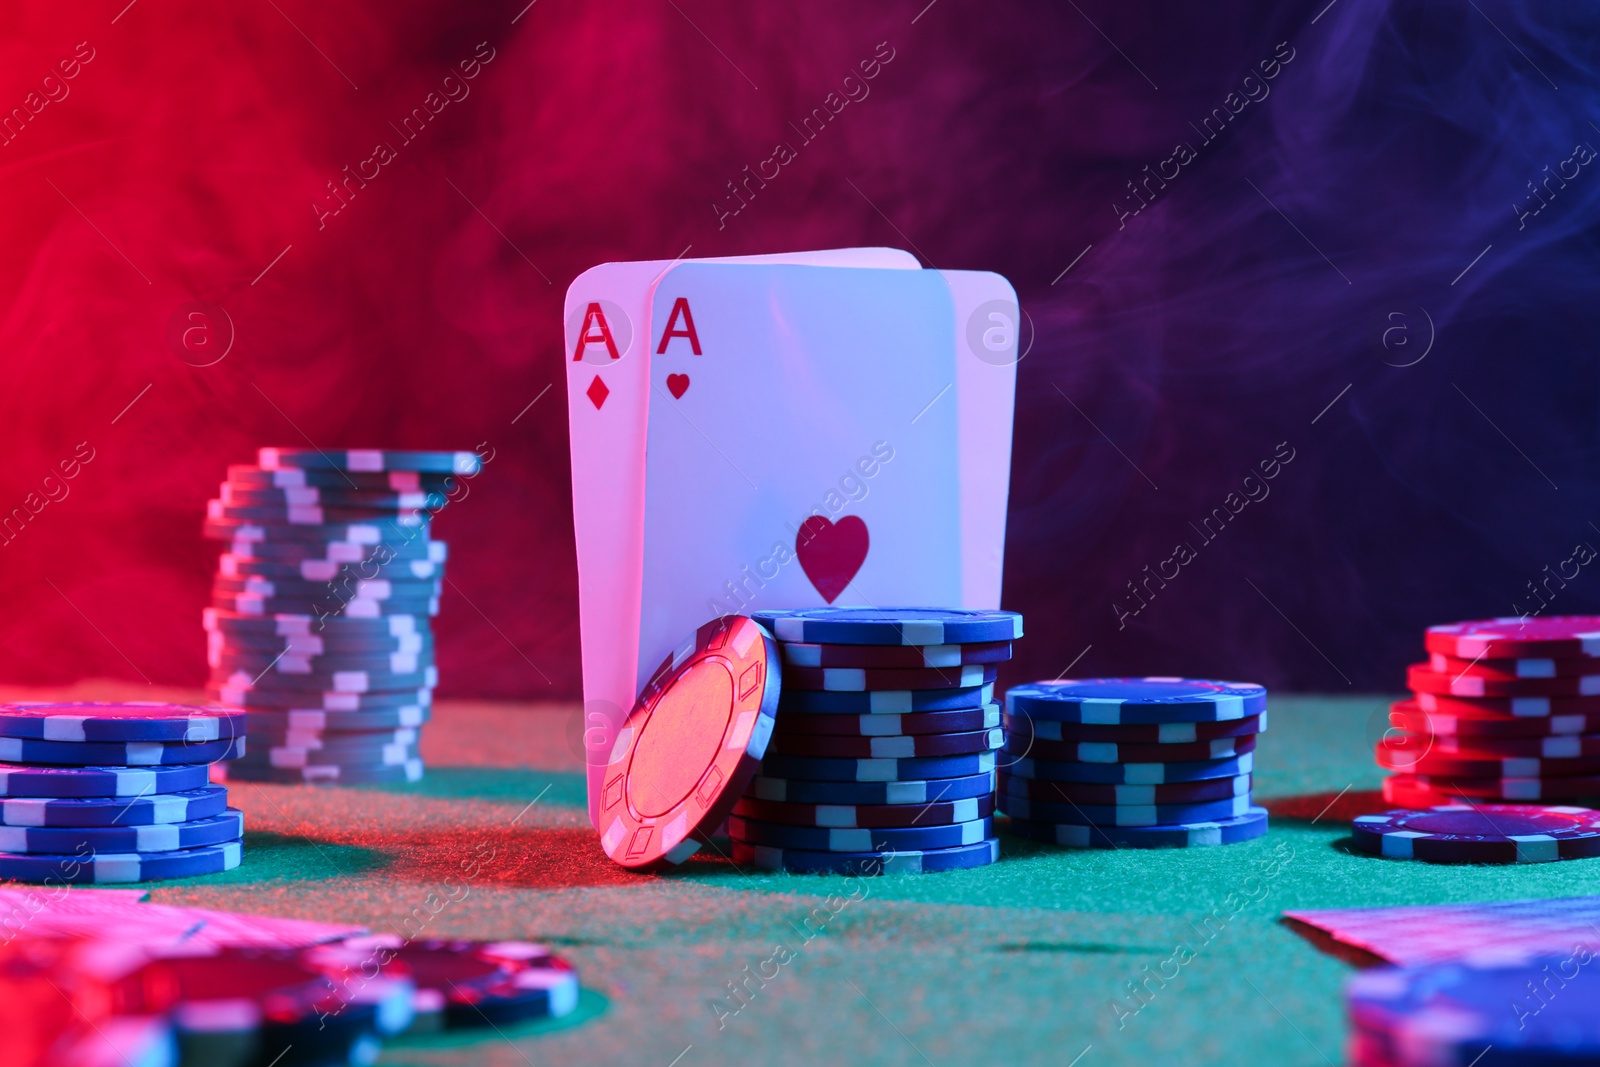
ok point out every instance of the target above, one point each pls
(831, 552)
(677, 385)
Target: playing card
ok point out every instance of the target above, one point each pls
(801, 446)
(608, 361)
(1433, 933)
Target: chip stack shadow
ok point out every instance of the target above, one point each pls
(883, 751)
(320, 618)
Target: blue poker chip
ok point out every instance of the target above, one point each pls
(334, 681)
(891, 626)
(884, 702)
(316, 570)
(109, 867)
(325, 700)
(346, 552)
(1252, 824)
(250, 476)
(131, 721)
(859, 839)
(961, 857)
(1136, 700)
(23, 780)
(369, 460)
(1132, 773)
(1123, 814)
(188, 805)
(822, 769)
(1488, 1011)
(118, 753)
(329, 773)
(154, 837)
(329, 606)
(932, 791)
(292, 624)
(371, 532)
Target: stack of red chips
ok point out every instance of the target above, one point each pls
(1504, 709)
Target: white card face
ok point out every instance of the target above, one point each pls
(780, 393)
(606, 312)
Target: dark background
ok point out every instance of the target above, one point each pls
(1268, 295)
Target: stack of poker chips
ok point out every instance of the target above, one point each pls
(95, 793)
(1504, 709)
(321, 609)
(883, 750)
(1487, 1010)
(1132, 762)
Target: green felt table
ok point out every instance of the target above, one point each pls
(1026, 961)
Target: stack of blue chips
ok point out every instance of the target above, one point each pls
(883, 749)
(1132, 762)
(97, 793)
(321, 612)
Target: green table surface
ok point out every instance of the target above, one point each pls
(1029, 960)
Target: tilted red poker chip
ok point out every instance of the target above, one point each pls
(690, 745)
(1514, 638)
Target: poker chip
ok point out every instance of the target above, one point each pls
(690, 744)
(26, 780)
(859, 679)
(820, 769)
(268, 721)
(353, 755)
(293, 625)
(329, 607)
(895, 657)
(101, 868)
(270, 737)
(283, 497)
(1135, 700)
(1408, 715)
(338, 552)
(254, 666)
(218, 512)
(858, 839)
(1228, 831)
(331, 773)
(1021, 727)
(152, 837)
(189, 805)
(326, 700)
(325, 570)
(902, 746)
(1133, 773)
(393, 481)
(961, 857)
(387, 533)
(1554, 746)
(459, 985)
(1480, 833)
(1514, 638)
(934, 791)
(1426, 791)
(1510, 669)
(316, 459)
(118, 753)
(1110, 752)
(137, 721)
(884, 746)
(362, 588)
(1072, 812)
(336, 681)
(1103, 794)
(1506, 707)
(1487, 1010)
(242, 1007)
(885, 702)
(317, 646)
(936, 813)
(1475, 763)
(1422, 680)
(799, 723)
(891, 626)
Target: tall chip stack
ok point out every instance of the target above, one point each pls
(1132, 762)
(883, 748)
(1504, 709)
(320, 620)
(97, 793)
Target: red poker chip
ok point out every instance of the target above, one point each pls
(1424, 790)
(1555, 746)
(1108, 752)
(1412, 754)
(1508, 670)
(1507, 707)
(690, 745)
(1424, 680)
(1408, 715)
(1514, 638)
(1480, 833)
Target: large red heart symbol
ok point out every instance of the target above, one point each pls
(677, 385)
(831, 552)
